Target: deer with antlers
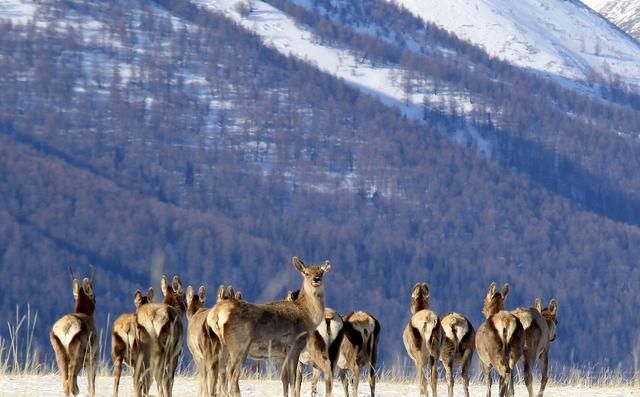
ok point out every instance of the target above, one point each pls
(422, 338)
(499, 340)
(322, 349)
(359, 349)
(160, 333)
(240, 324)
(124, 349)
(74, 338)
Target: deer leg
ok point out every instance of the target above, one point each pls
(528, 377)
(465, 364)
(237, 355)
(63, 362)
(342, 374)
(92, 368)
(448, 369)
(298, 387)
(420, 376)
(355, 379)
(328, 377)
(75, 366)
(544, 368)
(372, 379)
(487, 374)
(433, 365)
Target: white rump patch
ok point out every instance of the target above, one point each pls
(363, 323)
(525, 317)
(66, 329)
(424, 321)
(455, 326)
(503, 320)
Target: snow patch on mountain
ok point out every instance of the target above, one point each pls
(555, 37)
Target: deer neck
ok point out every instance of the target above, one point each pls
(419, 304)
(312, 302)
(84, 305)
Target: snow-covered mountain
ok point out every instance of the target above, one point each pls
(559, 37)
(624, 13)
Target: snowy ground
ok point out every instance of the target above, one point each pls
(50, 385)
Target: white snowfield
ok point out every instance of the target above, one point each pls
(558, 37)
(51, 386)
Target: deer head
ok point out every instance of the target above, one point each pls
(419, 297)
(174, 293)
(494, 300)
(549, 314)
(84, 296)
(194, 302)
(139, 299)
(312, 275)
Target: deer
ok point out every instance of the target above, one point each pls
(203, 344)
(359, 349)
(499, 340)
(240, 324)
(458, 345)
(422, 338)
(160, 333)
(74, 338)
(322, 349)
(548, 314)
(124, 348)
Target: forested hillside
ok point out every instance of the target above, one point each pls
(151, 137)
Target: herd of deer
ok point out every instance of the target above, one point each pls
(297, 331)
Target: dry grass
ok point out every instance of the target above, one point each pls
(18, 356)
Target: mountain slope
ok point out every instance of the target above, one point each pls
(623, 13)
(554, 37)
(161, 137)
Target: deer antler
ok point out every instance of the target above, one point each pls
(71, 272)
(93, 273)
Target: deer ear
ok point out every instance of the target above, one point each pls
(238, 296)
(137, 298)
(325, 266)
(177, 285)
(231, 293)
(189, 295)
(493, 288)
(538, 304)
(201, 293)
(220, 295)
(150, 294)
(553, 306)
(164, 285)
(505, 290)
(75, 288)
(298, 264)
(289, 297)
(87, 287)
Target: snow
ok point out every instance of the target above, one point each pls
(17, 11)
(556, 37)
(624, 13)
(51, 386)
(595, 4)
(281, 32)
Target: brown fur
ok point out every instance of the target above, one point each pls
(124, 348)
(240, 324)
(549, 315)
(457, 348)
(422, 338)
(359, 349)
(203, 344)
(499, 340)
(160, 333)
(75, 341)
(321, 350)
